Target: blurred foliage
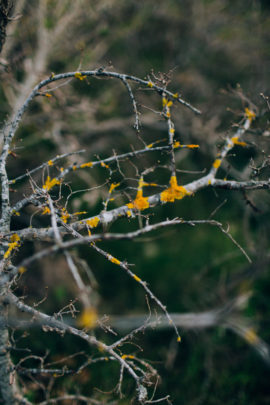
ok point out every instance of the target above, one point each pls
(208, 47)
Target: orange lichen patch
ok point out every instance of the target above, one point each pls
(93, 222)
(251, 336)
(136, 278)
(48, 95)
(79, 76)
(114, 260)
(235, 141)
(192, 146)
(46, 211)
(113, 186)
(150, 184)
(74, 167)
(140, 203)
(166, 102)
(128, 356)
(217, 163)
(176, 145)
(250, 114)
(104, 165)
(150, 145)
(174, 192)
(14, 243)
(50, 163)
(88, 164)
(50, 183)
(88, 318)
(65, 215)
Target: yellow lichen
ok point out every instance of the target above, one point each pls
(179, 339)
(50, 183)
(129, 214)
(174, 192)
(175, 95)
(16, 213)
(65, 215)
(176, 145)
(104, 165)
(250, 114)
(150, 84)
(93, 222)
(79, 76)
(48, 95)
(136, 278)
(192, 146)
(50, 163)
(217, 163)
(22, 270)
(114, 260)
(251, 336)
(88, 164)
(45, 211)
(140, 203)
(14, 243)
(113, 186)
(235, 141)
(172, 130)
(127, 356)
(88, 318)
(164, 101)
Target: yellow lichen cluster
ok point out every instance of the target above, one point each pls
(65, 215)
(113, 186)
(93, 222)
(114, 260)
(14, 243)
(217, 163)
(88, 318)
(174, 192)
(140, 203)
(251, 336)
(46, 211)
(88, 164)
(250, 114)
(50, 183)
(235, 141)
(79, 76)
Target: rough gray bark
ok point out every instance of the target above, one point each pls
(5, 10)
(8, 388)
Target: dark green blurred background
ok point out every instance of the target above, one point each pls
(217, 54)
